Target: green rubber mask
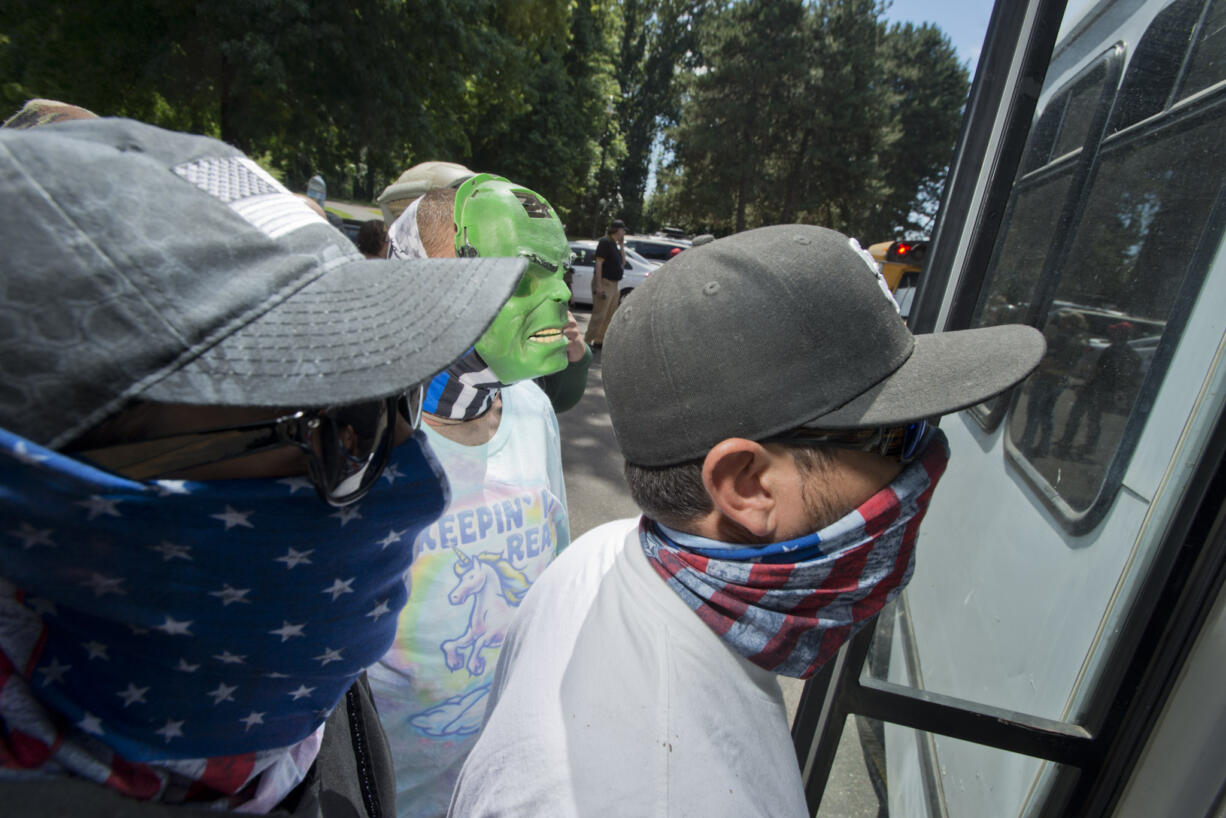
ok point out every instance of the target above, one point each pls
(495, 218)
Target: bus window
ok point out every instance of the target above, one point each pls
(1084, 101)
(1151, 78)
(1125, 282)
(1019, 260)
(1041, 205)
(1207, 67)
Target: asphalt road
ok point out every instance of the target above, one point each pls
(591, 463)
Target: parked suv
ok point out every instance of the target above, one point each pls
(634, 273)
(656, 248)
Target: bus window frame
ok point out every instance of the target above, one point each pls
(1079, 164)
(1181, 116)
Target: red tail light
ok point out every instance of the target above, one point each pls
(912, 251)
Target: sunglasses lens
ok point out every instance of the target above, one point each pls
(351, 446)
(913, 439)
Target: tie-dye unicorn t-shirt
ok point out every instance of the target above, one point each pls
(504, 524)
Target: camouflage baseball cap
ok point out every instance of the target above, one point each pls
(38, 112)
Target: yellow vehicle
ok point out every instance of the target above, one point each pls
(896, 258)
(900, 263)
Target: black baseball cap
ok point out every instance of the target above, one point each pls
(140, 263)
(781, 327)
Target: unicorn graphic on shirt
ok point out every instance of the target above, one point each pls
(495, 587)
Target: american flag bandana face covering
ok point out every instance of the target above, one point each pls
(788, 606)
(195, 627)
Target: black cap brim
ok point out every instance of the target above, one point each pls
(946, 372)
(367, 329)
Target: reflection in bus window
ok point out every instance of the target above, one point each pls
(1036, 211)
(1208, 64)
(1129, 257)
(1083, 103)
(1039, 209)
(1154, 70)
(1019, 259)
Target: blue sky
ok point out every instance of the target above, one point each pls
(965, 21)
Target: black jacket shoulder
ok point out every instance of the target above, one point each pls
(352, 777)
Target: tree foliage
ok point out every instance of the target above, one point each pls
(767, 109)
(813, 112)
(658, 37)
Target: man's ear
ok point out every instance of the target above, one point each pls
(734, 475)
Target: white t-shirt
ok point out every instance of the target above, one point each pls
(471, 568)
(613, 698)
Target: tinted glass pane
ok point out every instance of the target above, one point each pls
(1083, 104)
(1019, 258)
(656, 252)
(1043, 135)
(1154, 68)
(1208, 63)
(1128, 261)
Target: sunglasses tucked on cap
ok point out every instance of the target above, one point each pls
(902, 443)
(143, 264)
(783, 327)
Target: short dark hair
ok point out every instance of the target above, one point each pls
(615, 225)
(371, 236)
(436, 220)
(675, 495)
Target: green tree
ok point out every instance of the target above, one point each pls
(774, 109)
(657, 36)
(841, 125)
(730, 128)
(313, 85)
(104, 56)
(929, 87)
(550, 131)
(812, 112)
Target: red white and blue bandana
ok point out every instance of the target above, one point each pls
(788, 606)
(185, 641)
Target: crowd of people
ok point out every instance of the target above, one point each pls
(284, 520)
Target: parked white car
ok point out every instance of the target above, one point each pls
(656, 248)
(582, 268)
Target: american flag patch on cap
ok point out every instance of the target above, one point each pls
(251, 192)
